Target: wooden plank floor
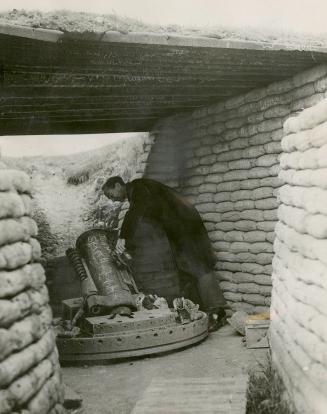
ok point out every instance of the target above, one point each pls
(202, 379)
(206, 395)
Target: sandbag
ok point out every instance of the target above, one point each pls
(23, 389)
(304, 244)
(48, 396)
(19, 306)
(14, 180)
(15, 255)
(304, 140)
(12, 205)
(24, 332)
(15, 281)
(253, 268)
(312, 158)
(313, 200)
(18, 363)
(267, 204)
(14, 230)
(309, 118)
(305, 178)
(254, 298)
(244, 205)
(224, 207)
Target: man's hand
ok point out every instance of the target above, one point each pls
(120, 246)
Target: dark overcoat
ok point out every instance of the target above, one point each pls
(182, 223)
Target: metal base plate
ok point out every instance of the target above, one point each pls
(151, 332)
(141, 320)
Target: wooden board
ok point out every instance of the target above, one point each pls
(256, 332)
(205, 395)
(114, 82)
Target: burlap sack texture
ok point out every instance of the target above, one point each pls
(29, 370)
(298, 328)
(231, 156)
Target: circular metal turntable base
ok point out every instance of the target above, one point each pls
(151, 332)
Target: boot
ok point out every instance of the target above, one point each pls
(217, 319)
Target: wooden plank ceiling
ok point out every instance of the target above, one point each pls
(53, 83)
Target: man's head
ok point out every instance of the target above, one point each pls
(115, 189)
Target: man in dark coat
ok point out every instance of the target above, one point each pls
(185, 231)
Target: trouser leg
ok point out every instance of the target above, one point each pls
(211, 295)
(189, 288)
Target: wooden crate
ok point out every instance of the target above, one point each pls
(256, 333)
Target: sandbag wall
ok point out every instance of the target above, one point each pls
(231, 162)
(299, 300)
(29, 370)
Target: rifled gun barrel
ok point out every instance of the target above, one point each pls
(97, 252)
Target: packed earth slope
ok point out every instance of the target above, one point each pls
(67, 190)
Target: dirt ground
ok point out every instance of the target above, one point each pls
(116, 388)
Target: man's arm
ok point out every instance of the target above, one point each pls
(120, 246)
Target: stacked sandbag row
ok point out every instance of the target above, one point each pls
(299, 325)
(231, 176)
(231, 155)
(29, 370)
(236, 196)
